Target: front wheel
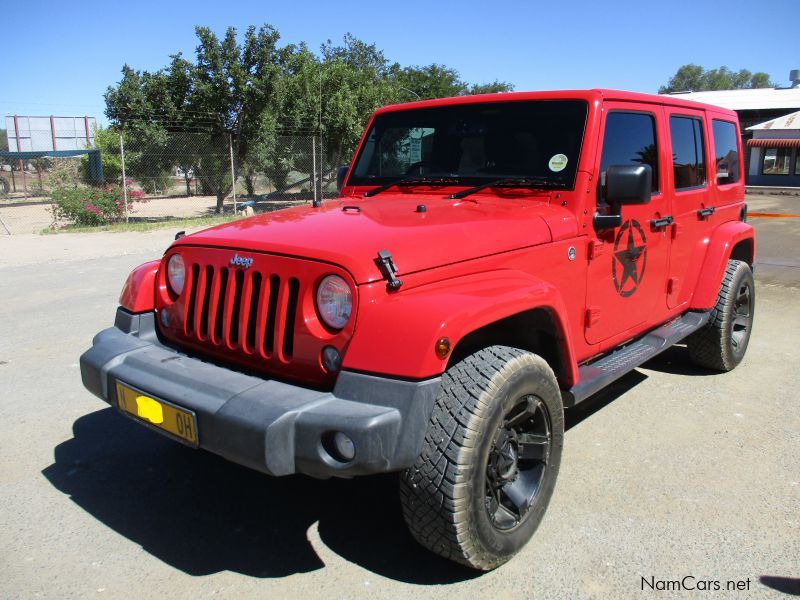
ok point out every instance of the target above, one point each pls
(490, 460)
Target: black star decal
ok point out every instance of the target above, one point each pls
(631, 258)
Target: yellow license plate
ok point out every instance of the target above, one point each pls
(160, 414)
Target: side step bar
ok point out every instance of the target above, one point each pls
(596, 375)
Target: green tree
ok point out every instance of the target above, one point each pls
(431, 81)
(356, 78)
(106, 140)
(222, 95)
(491, 88)
(696, 79)
(439, 81)
(269, 99)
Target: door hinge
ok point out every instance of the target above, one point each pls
(676, 230)
(388, 269)
(596, 248)
(592, 316)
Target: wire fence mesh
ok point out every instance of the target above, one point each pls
(152, 175)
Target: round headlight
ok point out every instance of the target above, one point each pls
(334, 301)
(176, 273)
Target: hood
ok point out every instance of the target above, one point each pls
(350, 231)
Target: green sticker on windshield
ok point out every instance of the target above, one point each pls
(558, 163)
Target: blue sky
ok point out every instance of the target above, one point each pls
(59, 57)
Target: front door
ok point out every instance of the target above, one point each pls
(628, 264)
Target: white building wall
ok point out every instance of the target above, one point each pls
(755, 160)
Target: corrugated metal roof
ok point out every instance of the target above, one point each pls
(790, 121)
(750, 99)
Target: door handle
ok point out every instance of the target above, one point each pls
(702, 213)
(662, 222)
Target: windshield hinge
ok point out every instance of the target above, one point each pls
(388, 269)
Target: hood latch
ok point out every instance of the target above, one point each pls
(388, 269)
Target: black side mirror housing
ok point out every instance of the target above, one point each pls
(628, 184)
(341, 173)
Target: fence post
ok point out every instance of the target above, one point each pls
(316, 201)
(124, 179)
(233, 173)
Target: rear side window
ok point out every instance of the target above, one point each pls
(726, 151)
(630, 139)
(688, 154)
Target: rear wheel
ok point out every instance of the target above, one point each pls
(491, 456)
(721, 344)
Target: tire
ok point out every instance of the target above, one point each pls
(722, 343)
(490, 459)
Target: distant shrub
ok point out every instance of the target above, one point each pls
(91, 206)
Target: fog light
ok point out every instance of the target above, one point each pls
(165, 317)
(331, 359)
(344, 446)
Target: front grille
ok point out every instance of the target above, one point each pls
(261, 318)
(241, 310)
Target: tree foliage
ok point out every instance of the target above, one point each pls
(696, 79)
(261, 95)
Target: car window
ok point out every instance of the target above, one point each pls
(475, 143)
(726, 151)
(688, 152)
(630, 139)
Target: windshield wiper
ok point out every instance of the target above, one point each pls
(408, 181)
(517, 181)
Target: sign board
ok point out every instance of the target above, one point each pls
(44, 134)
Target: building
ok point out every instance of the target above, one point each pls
(756, 107)
(775, 152)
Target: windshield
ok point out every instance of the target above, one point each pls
(475, 143)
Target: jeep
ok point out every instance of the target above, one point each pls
(491, 261)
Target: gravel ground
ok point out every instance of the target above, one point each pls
(671, 473)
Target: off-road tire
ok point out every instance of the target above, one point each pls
(721, 344)
(444, 495)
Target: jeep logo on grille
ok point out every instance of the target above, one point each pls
(241, 261)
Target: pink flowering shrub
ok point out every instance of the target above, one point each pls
(93, 205)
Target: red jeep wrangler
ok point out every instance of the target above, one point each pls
(492, 260)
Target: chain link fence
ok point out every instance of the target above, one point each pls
(142, 175)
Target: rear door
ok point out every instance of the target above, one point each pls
(689, 197)
(628, 264)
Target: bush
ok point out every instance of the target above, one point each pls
(92, 206)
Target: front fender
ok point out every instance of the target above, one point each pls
(396, 333)
(139, 292)
(722, 241)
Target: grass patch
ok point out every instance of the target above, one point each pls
(145, 225)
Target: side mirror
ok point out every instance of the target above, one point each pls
(628, 184)
(341, 173)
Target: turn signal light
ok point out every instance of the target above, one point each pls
(443, 348)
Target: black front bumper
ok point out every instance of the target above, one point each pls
(274, 427)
